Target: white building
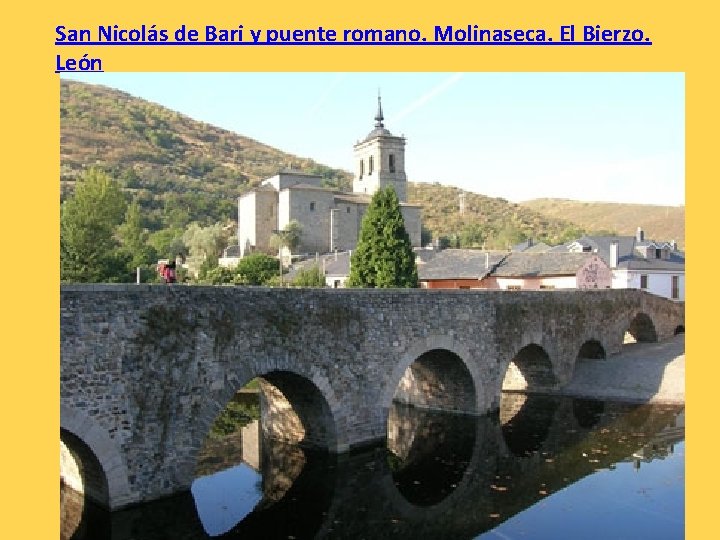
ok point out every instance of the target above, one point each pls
(636, 263)
(330, 219)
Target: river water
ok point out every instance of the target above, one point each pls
(544, 467)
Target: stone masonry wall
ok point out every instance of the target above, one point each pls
(146, 369)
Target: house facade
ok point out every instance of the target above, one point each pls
(637, 263)
(548, 271)
(330, 219)
(471, 269)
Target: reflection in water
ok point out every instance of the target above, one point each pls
(526, 430)
(223, 499)
(441, 476)
(588, 412)
(429, 452)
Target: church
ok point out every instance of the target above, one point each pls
(330, 219)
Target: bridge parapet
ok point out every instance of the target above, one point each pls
(152, 366)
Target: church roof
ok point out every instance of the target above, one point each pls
(379, 130)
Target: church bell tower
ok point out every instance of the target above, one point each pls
(380, 160)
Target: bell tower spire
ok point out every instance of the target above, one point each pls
(379, 115)
(380, 159)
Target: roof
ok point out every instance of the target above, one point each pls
(524, 264)
(379, 130)
(355, 198)
(458, 264)
(628, 255)
(530, 245)
(333, 264)
(364, 198)
(308, 187)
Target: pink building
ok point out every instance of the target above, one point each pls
(471, 269)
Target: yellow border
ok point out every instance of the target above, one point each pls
(683, 41)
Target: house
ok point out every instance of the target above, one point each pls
(472, 269)
(456, 268)
(548, 271)
(335, 267)
(330, 219)
(637, 263)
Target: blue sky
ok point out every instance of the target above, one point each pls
(585, 136)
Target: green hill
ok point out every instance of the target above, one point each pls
(492, 222)
(181, 170)
(658, 222)
(164, 158)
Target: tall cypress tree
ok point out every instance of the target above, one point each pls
(384, 257)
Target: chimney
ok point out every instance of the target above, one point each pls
(639, 235)
(614, 252)
(487, 260)
(673, 245)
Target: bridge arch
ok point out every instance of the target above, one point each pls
(294, 410)
(297, 407)
(99, 456)
(530, 369)
(642, 328)
(591, 349)
(438, 364)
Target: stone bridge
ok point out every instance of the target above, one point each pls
(145, 369)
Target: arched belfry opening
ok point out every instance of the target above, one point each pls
(438, 380)
(641, 330)
(529, 371)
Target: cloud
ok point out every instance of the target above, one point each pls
(312, 111)
(424, 99)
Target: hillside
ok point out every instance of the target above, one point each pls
(658, 222)
(181, 170)
(163, 157)
(489, 221)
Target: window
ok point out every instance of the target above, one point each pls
(312, 206)
(392, 163)
(658, 253)
(362, 168)
(675, 287)
(514, 288)
(347, 209)
(643, 281)
(370, 165)
(547, 287)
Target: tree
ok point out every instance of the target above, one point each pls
(288, 237)
(205, 242)
(384, 257)
(88, 223)
(134, 238)
(509, 235)
(309, 277)
(256, 269)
